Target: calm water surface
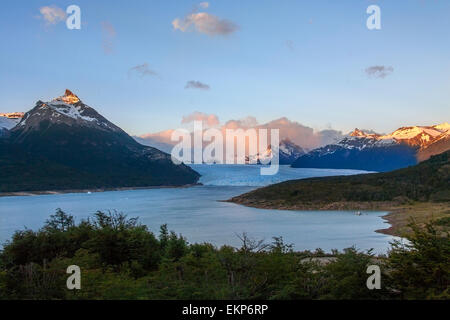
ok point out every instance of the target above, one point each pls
(197, 214)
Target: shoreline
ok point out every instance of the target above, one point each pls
(398, 216)
(98, 190)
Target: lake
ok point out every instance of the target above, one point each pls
(196, 213)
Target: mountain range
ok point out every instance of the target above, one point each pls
(65, 144)
(360, 150)
(6, 124)
(51, 129)
(288, 153)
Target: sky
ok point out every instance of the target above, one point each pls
(147, 65)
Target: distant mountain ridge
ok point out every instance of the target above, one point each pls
(65, 144)
(421, 136)
(13, 115)
(6, 124)
(404, 147)
(288, 152)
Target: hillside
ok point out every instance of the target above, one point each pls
(436, 148)
(64, 145)
(421, 192)
(427, 181)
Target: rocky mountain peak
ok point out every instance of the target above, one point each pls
(363, 134)
(67, 109)
(357, 133)
(69, 97)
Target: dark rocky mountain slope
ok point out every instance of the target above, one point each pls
(65, 144)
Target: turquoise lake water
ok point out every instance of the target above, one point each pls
(197, 214)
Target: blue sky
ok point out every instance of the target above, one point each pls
(304, 60)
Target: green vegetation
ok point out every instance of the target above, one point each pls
(421, 192)
(121, 259)
(427, 181)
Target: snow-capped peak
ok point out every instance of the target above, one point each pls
(443, 126)
(67, 109)
(288, 153)
(420, 136)
(357, 133)
(69, 105)
(70, 110)
(288, 148)
(412, 132)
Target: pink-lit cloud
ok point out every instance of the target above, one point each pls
(211, 120)
(52, 14)
(304, 136)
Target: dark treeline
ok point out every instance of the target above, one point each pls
(121, 259)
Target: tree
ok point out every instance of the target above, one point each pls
(420, 268)
(60, 221)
